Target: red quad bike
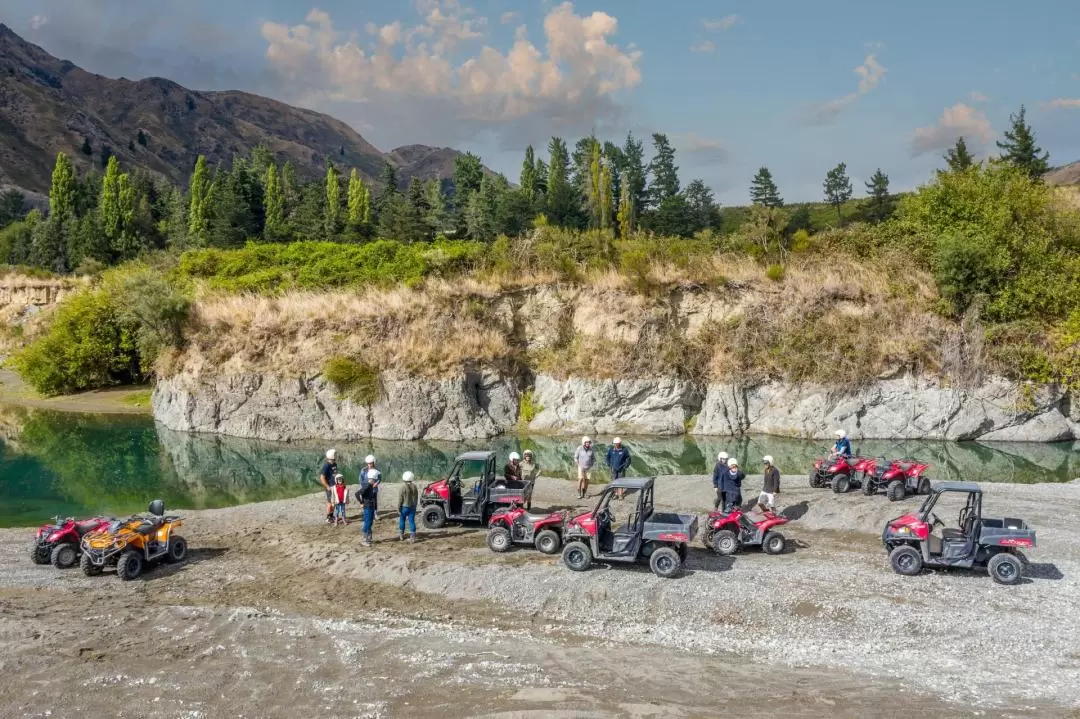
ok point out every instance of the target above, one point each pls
(515, 525)
(728, 533)
(660, 539)
(58, 543)
(992, 544)
(471, 492)
(900, 479)
(835, 471)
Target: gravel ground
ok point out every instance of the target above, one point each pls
(276, 614)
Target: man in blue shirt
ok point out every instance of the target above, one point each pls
(618, 461)
(843, 444)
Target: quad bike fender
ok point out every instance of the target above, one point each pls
(552, 521)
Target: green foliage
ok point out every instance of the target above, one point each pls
(353, 380)
(881, 205)
(958, 158)
(837, 187)
(151, 304)
(1020, 150)
(775, 273)
(528, 408)
(763, 190)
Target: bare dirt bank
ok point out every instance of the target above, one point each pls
(120, 400)
(277, 614)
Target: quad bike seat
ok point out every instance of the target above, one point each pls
(148, 526)
(85, 526)
(533, 518)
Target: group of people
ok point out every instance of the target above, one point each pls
(337, 496)
(727, 481)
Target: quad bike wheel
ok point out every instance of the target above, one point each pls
(725, 542)
(88, 568)
(868, 487)
(177, 551)
(665, 562)
(130, 565)
(841, 484)
(906, 560)
(577, 556)
(39, 554)
(64, 556)
(895, 491)
(548, 541)
(773, 543)
(433, 517)
(707, 538)
(498, 539)
(925, 486)
(1005, 568)
(814, 480)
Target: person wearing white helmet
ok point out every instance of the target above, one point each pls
(584, 459)
(719, 469)
(368, 472)
(843, 444)
(618, 458)
(770, 487)
(408, 498)
(512, 472)
(326, 479)
(732, 485)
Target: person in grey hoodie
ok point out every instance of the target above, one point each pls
(584, 459)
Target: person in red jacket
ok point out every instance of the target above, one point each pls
(341, 501)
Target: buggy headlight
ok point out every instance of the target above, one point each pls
(904, 530)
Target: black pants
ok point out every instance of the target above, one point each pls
(719, 501)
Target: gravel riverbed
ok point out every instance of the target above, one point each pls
(277, 614)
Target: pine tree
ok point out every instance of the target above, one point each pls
(274, 203)
(763, 190)
(62, 193)
(562, 199)
(528, 175)
(1019, 148)
(109, 204)
(877, 188)
(633, 174)
(958, 157)
(436, 206)
(388, 179)
(200, 192)
(333, 202)
(542, 172)
(837, 187)
(127, 244)
(594, 189)
(289, 188)
(664, 171)
(702, 206)
(416, 229)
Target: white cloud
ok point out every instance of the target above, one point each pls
(870, 73)
(705, 48)
(725, 23)
(420, 81)
(958, 120)
(38, 21)
(1061, 103)
(509, 16)
(701, 150)
(978, 97)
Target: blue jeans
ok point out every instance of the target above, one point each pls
(407, 513)
(369, 518)
(339, 510)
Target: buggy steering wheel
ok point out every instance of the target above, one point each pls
(605, 516)
(935, 520)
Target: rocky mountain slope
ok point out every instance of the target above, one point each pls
(1065, 175)
(49, 105)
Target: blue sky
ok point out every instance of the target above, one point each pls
(735, 85)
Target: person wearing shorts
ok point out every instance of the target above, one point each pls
(326, 479)
(584, 459)
(771, 486)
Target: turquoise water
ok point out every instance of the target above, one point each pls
(71, 464)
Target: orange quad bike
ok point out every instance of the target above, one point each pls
(134, 544)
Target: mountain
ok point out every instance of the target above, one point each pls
(48, 105)
(1064, 175)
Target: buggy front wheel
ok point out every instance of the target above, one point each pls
(577, 556)
(433, 517)
(906, 560)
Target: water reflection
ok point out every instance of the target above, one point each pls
(56, 463)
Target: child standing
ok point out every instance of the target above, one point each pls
(341, 501)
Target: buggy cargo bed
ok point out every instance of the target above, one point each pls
(663, 525)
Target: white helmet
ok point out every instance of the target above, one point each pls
(408, 477)
(722, 457)
(617, 440)
(733, 462)
(514, 455)
(528, 452)
(370, 459)
(585, 440)
(841, 433)
(767, 459)
(331, 454)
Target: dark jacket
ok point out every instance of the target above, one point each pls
(718, 471)
(843, 446)
(772, 481)
(369, 495)
(512, 472)
(409, 496)
(618, 459)
(326, 474)
(731, 484)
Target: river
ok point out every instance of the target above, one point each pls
(76, 464)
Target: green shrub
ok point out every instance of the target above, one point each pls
(88, 345)
(155, 307)
(353, 380)
(775, 272)
(528, 408)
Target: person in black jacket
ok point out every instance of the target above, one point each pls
(732, 485)
(718, 472)
(369, 496)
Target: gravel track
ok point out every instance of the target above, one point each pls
(276, 610)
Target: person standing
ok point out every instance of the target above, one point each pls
(584, 459)
(408, 498)
(341, 501)
(369, 471)
(719, 469)
(618, 459)
(369, 496)
(326, 479)
(732, 486)
(770, 488)
(530, 470)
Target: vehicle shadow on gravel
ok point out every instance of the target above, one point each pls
(194, 556)
(796, 511)
(1042, 570)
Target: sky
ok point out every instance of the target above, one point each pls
(793, 85)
